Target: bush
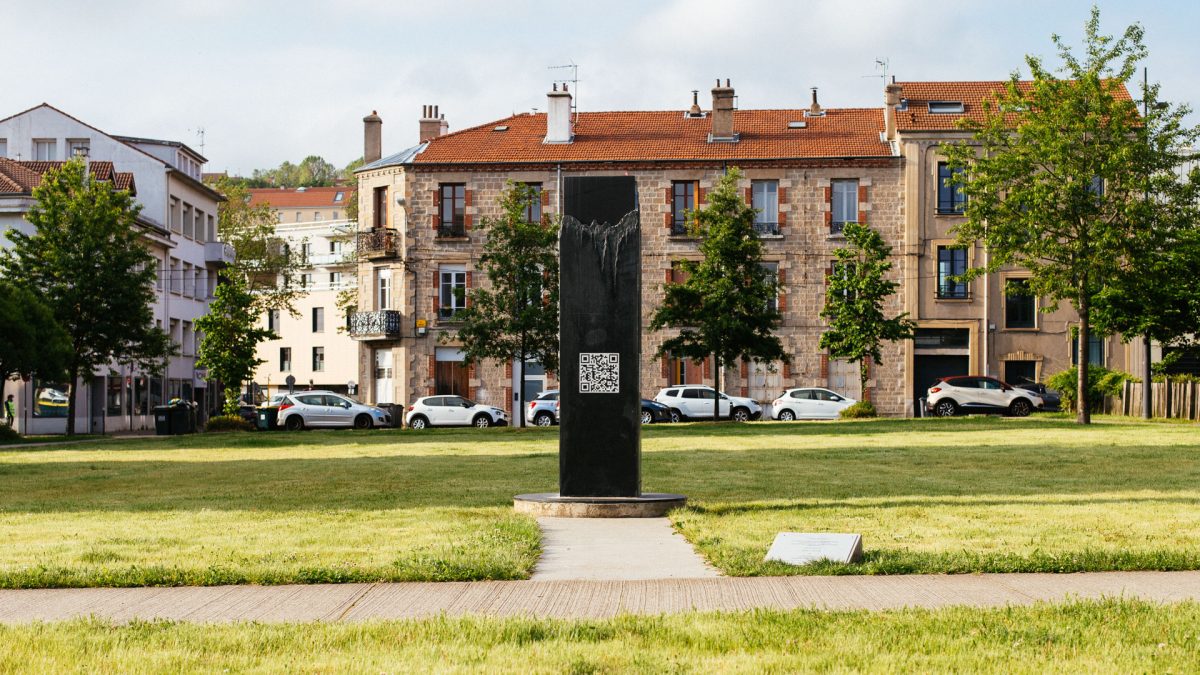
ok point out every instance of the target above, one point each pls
(228, 423)
(1102, 383)
(8, 435)
(858, 411)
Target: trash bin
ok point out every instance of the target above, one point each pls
(182, 418)
(162, 420)
(268, 415)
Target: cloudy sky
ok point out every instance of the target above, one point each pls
(273, 80)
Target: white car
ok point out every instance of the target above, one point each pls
(951, 396)
(452, 411)
(542, 411)
(809, 403)
(305, 409)
(696, 401)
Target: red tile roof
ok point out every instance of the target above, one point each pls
(21, 177)
(300, 197)
(971, 94)
(665, 135)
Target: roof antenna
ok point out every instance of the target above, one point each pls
(574, 81)
(881, 65)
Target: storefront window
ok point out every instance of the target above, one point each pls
(141, 395)
(112, 396)
(49, 399)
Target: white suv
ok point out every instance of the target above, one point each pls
(453, 411)
(542, 411)
(809, 403)
(696, 401)
(966, 394)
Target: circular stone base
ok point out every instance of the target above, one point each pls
(649, 505)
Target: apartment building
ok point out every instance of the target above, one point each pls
(313, 346)
(807, 170)
(179, 221)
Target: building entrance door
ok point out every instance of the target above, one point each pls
(450, 377)
(383, 376)
(96, 407)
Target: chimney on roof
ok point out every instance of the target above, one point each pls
(432, 124)
(722, 115)
(558, 116)
(814, 110)
(891, 99)
(695, 110)
(372, 137)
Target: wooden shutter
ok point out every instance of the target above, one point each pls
(437, 280)
(466, 294)
(782, 295)
(437, 207)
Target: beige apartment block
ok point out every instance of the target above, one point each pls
(313, 344)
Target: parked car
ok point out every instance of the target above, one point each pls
(543, 411)
(1051, 400)
(810, 403)
(452, 411)
(696, 402)
(326, 409)
(950, 396)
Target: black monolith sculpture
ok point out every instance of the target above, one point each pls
(600, 306)
(600, 336)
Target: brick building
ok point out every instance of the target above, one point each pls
(807, 171)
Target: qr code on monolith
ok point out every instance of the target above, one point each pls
(599, 373)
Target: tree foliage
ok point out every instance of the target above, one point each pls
(31, 341)
(854, 299)
(516, 315)
(1057, 173)
(268, 267)
(724, 306)
(88, 262)
(231, 337)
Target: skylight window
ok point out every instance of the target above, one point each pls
(797, 125)
(339, 196)
(502, 127)
(945, 107)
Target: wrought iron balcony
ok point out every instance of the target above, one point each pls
(766, 229)
(451, 231)
(380, 325)
(379, 242)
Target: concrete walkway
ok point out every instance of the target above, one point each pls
(616, 549)
(583, 599)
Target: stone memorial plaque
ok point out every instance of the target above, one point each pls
(801, 548)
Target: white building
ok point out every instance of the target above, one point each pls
(313, 345)
(179, 215)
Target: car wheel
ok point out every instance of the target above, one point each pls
(362, 422)
(1020, 408)
(543, 419)
(741, 415)
(945, 408)
(482, 421)
(294, 423)
(787, 416)
(418, 423)
(647, 417)
(676, 416)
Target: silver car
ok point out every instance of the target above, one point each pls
(541, 410)
(326, 409)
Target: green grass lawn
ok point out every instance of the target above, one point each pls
(1084, 637)
(969, 494)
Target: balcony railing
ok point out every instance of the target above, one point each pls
(451, 231)
(766, 229)
(380, 325)
(379, 242)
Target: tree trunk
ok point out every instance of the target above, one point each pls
(717, 387)
(72, 387)
(862, 380)
(1083, 411)
(1147, 378)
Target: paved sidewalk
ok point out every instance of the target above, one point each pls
(616, 549)
(583, 599)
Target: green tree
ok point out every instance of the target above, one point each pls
(31, 341)
(854, 299)
(517, 316)
(1057, 173)
(268, 267)
(231, 337)
(87, 259)
(723, 308)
